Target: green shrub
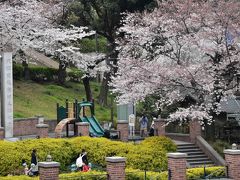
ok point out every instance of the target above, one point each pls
(17, 71)
(220, 145)
(90, 175)
(88, 45)
(136, 174)
(43, 74)
(37, 73)
(192, 174)
(198, 173)
(22, 177)
(132, 174)
(12, 153)
(152, 150)
(75, 75)
(65, 151)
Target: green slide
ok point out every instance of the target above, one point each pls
(95, 128)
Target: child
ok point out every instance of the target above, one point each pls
(85, 168)
(33, 171)
(24, 164)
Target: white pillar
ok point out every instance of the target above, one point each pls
(7, 93)
(1, 123)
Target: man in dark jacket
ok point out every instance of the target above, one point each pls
(34, 157)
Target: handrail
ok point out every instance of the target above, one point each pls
(203, 145)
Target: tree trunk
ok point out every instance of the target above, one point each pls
(102, 99)
(62, 72)
(87, 87)
(112, 63)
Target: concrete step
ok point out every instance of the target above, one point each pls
(201, 162)
(189, 150)
(187, 147)
(200, 165)
(194, 159)
(195, 156)
(185, 144)
(195, 153)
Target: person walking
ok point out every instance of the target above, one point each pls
(143, 126)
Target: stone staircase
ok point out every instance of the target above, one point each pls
(195, 156)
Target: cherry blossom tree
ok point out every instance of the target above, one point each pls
(184, 48)
(35, 24)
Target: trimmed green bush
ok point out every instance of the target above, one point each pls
(65, 151)
(17, 71)
(220, 145)
(22, 177)
(198, 173)
(37, 73)
(12, 153)
(40, 74)
(88, 45)
(192, 174)
(154, 150)
(90, 175)
(132, 174)
(75, 75)
(136, 174)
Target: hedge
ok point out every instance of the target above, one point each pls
(18, 72)
(75, 75)
(132, 174)
(197, 173)
(149, 154)
(38, 74)
(41, 74)
(192, 174)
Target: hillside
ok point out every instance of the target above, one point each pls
(32, 98)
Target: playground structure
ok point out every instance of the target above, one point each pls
(75, 112)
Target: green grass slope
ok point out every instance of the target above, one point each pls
(32, 99)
